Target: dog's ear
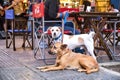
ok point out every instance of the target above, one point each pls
(63, 46)
(60, 28)
(49, 30)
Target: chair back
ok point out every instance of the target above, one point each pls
(20, 25)
(9, 14)
(38, 10)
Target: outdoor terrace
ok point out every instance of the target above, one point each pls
(21, 65)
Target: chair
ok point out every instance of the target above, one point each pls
(40, 40)
(109, 31)
(18, 28)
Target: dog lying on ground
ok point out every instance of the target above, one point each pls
(74, 41)
(66, 59)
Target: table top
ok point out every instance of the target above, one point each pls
(96, 14)
(108, 16)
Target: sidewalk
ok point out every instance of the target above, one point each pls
(20, 65)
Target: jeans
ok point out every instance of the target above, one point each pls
(78, 50)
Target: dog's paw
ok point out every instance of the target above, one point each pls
(81, 70)
(39, 68)
(43, 70)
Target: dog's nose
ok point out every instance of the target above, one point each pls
(50, 52)
(54, 34)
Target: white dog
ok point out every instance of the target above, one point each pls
(74, 41)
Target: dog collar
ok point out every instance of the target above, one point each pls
(58, 37)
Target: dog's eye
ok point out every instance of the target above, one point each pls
(55, 47)
(57, 30)
(50, 46)
(52, 29)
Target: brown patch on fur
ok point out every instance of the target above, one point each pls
(60, 29)
(70, 37)
(80, 40)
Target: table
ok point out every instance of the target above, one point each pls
(91, 19)
(89, 15)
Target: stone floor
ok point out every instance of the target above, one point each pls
(21, 65)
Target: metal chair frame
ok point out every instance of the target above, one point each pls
(42, 38)
(18, 32)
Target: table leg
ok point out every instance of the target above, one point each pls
(105, 46)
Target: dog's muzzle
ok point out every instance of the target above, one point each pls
(51, 53)
(54, 34)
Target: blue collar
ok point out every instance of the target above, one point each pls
(58, 37)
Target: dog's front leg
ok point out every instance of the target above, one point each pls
(90, 49)
(53, 68)
(45, 67)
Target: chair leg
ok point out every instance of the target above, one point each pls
(118, 39)
(14, 42)
(24, 41)
(7, 39)
(29, 40)
(107, 37)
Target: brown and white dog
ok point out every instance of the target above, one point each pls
(66, 59)
(74, 41)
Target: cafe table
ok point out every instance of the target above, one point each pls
(96, 21)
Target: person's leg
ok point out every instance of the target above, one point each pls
(29, 22)
(1, 25)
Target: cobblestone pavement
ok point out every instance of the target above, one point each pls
(20, 65)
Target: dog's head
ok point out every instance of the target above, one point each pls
(58, 48)
(55, 31)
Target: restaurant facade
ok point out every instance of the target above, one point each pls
(100, 5)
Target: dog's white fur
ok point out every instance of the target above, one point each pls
(74, 41)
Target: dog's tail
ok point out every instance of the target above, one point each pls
(91, 34)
